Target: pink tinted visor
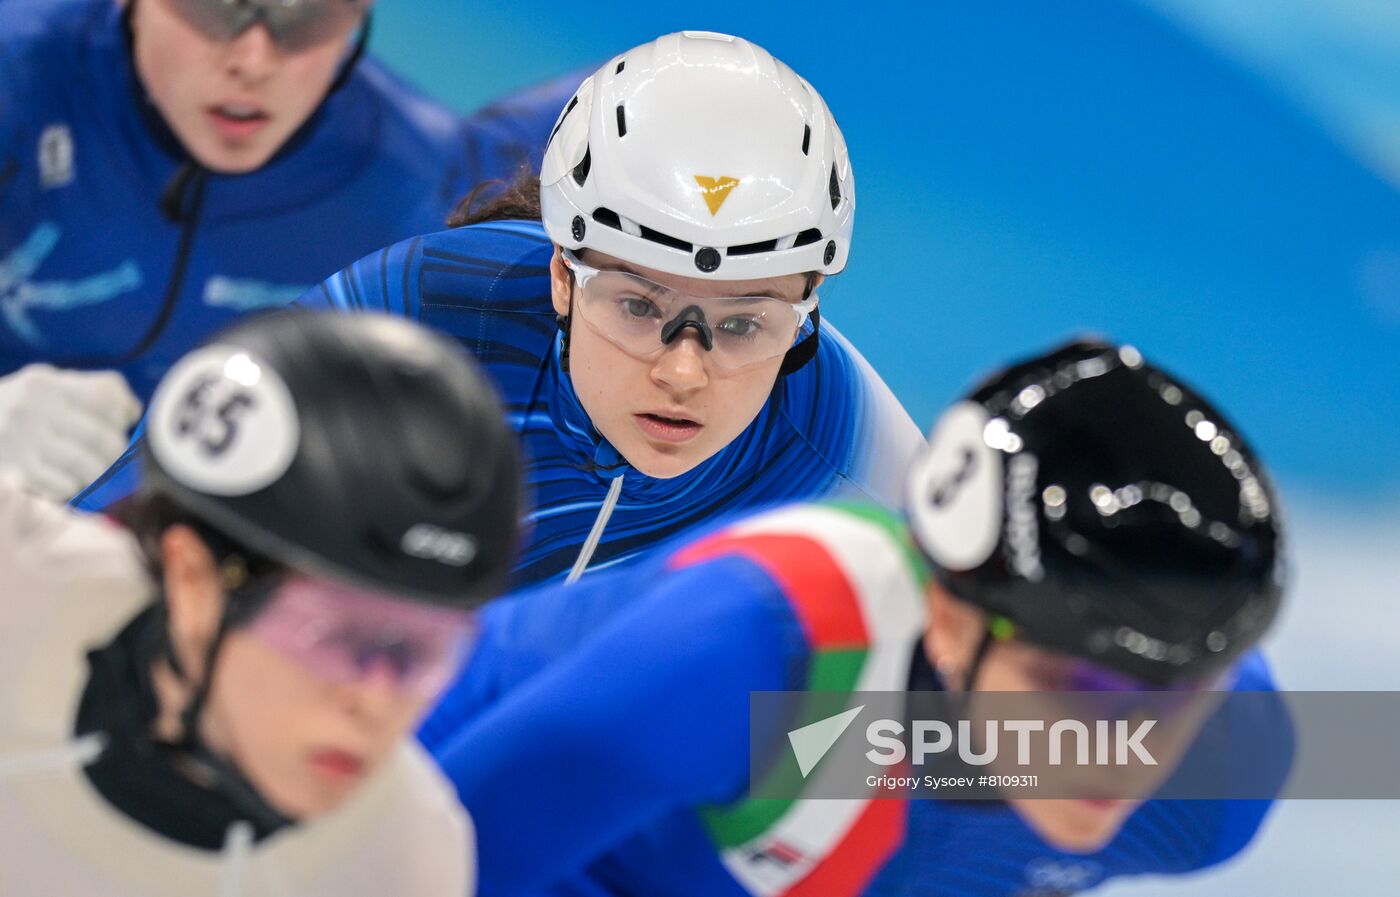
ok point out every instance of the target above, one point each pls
(1120, 691)
(344, 634)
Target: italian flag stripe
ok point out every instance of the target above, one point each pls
(841, 845)
(893, 527)
(831, 618)
(745, 821)
(874, 838)
(856, 586)
(835, 670)
(803, 568)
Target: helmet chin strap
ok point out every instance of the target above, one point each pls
(224, 776)
(983, 646)
(997, 629)
(566, 323)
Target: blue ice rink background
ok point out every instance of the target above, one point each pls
(1215, 182)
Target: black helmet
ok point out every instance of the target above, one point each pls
(360, 447)
(1105, 510)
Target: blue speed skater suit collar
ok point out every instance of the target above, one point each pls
(585, 445)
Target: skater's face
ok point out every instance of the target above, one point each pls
(668, 413)
(233, 101)
(1077, 825)
(319, 688)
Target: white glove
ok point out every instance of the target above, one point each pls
(59, 430)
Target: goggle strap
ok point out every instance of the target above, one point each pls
(798, 356)
(352, 60)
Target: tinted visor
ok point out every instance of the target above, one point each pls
(293, 24)
(344, 634)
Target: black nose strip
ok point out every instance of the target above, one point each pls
(692, 316)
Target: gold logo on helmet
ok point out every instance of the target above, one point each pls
(715, 190)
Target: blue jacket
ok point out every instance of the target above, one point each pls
(94, 275)
(831, 427)
(600, 734)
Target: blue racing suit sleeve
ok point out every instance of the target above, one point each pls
(520, 636)
(851, 417)
(648, 716)
(384, 281)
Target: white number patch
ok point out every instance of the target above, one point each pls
(224, 423)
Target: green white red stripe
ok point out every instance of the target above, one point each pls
(856, 586)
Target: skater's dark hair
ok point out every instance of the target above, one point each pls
(497, 200)
(150, 516)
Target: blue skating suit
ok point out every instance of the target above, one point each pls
(593, 720)
(94, 275)
(832, 426)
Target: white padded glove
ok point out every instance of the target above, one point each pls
(59, 430)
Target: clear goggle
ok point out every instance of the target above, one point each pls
(643, 318)
(346, 635)
(293, 24)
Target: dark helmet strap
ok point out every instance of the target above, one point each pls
(189, 717)
(227, 779)
(353, 59)
(978, 656)
(798, 356)
(566, 323)
(230, 782)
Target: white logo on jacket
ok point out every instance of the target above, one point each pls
(56, 157)
(248, 295)
(19, 295)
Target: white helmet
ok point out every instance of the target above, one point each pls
(700, 154)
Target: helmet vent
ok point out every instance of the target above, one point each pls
(807, 237)
(607, 218)
(559, 124)
(581, 169)
(753, 248)
(664, 239)
(621, 121)
(833, 187)
(620, 66)
(806, 139)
